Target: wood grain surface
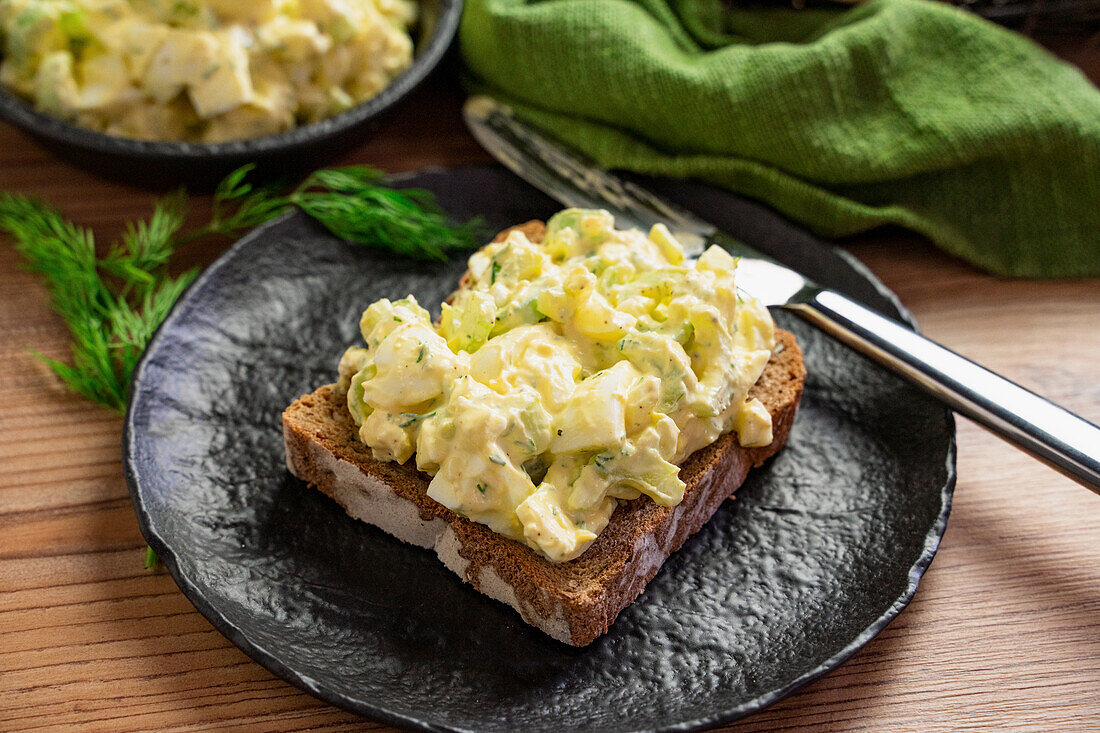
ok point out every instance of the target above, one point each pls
(1004, 632)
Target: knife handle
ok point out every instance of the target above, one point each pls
(1051, 433)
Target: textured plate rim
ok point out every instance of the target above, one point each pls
(273, 664)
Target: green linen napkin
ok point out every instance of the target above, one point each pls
(908, 112)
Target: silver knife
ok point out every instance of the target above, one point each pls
(1051, 433)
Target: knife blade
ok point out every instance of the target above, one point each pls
(1051, 433)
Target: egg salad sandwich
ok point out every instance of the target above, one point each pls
(586, 401)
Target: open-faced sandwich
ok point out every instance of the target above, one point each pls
(585, 402)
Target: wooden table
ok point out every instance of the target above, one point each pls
(1004, 631)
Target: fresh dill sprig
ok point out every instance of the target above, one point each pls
(239, 205)
(112, 304)
(407, 222)
(352, 203)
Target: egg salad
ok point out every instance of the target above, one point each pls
(563, 377)
(201, 70)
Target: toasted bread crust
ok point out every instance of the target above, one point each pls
(575, 601)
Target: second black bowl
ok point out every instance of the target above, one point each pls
(202, 165)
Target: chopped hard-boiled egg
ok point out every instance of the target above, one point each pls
(207, 70)
(566, 376)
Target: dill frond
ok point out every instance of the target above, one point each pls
(351, 203)
(113, 304)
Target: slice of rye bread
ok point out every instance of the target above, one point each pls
(576, 601)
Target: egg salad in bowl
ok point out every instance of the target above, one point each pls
(563, 377)
(201, 70)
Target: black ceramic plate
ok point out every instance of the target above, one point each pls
(821, 549)
(201, 165)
